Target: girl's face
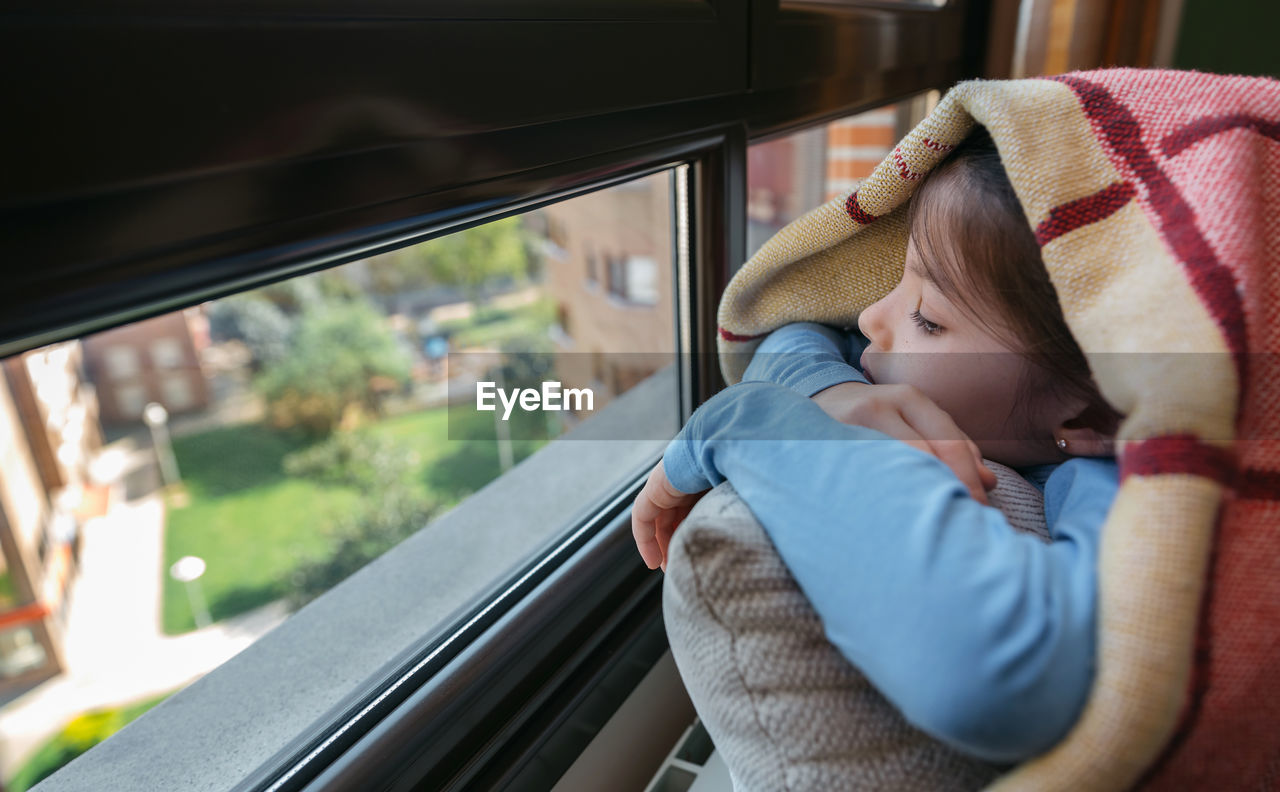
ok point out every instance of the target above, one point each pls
(920, 338)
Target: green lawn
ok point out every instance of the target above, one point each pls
(252, 524)
(248, 521)
(81, 734)
(454, 460)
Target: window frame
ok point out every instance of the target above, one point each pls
(753, 69)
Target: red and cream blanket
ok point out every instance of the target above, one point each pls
(1155, 196)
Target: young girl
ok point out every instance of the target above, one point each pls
(981, 636)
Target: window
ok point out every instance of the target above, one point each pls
(166, 353)
(129, 399)
(122, 362)
(176, 392)
(338, 180)
(334, 433)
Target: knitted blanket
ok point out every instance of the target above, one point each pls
(1155, 197)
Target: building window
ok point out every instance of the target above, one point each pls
(176, 392)
(642, 280)
(616, 279)
(166, 353)
(122, 362)
(130, 400)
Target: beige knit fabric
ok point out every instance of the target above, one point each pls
(782, 705)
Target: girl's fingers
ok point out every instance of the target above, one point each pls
(894, 425)
(644, 520)
(988, 475)
(949, 444)
(644, 531)
(658, 511)
(957, 456)
(667, 525)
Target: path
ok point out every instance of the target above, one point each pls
(115, 651)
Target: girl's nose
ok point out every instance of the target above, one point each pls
(872, 325)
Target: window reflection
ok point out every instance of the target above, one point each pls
(788, 176)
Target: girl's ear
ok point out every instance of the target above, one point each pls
(1091, 432)
(1085, 442)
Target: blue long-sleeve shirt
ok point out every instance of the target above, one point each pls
(981, 636)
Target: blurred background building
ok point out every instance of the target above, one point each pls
(156, 360)
(48, 433)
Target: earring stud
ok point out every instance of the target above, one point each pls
(1062, 443)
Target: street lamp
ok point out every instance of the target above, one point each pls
(500, 428)
(157, 419)
(188, 570)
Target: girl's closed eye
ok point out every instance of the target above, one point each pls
(932, 328)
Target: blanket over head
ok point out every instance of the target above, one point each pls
(1155, 197)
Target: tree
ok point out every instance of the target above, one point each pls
(380, 524)
(391, 510)
(468, 260)
(341, 356)
(258, 323)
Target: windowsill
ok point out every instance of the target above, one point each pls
(622, 302)
(216, 732)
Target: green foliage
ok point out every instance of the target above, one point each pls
(8, 595)
(259, 323)
(246, 519)
(276, 515)
(364, 461)
(468, 260)
(383, 522)
(81, 734)
(392, 509)
(341, 355)
(524, 327)
(295, 295)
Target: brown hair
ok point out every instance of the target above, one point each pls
(975, 244)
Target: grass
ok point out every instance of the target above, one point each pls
(8, 595)
(253, 525)
(454, 460)
(249, 522)
(82, 733)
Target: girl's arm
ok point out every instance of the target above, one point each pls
(807, 357)
(981, 636)
(816, 361)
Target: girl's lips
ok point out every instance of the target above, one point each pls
(862, 364)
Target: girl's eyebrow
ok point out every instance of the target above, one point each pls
(917, 271)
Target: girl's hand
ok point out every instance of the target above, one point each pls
(905, 413)
(658, 511)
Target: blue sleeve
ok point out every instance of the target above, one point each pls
(807, 357)
(981, 636)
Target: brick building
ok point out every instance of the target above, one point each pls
(48, 434)
(155, 360)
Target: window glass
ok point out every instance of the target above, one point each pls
(210, 496)
(788, 176)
